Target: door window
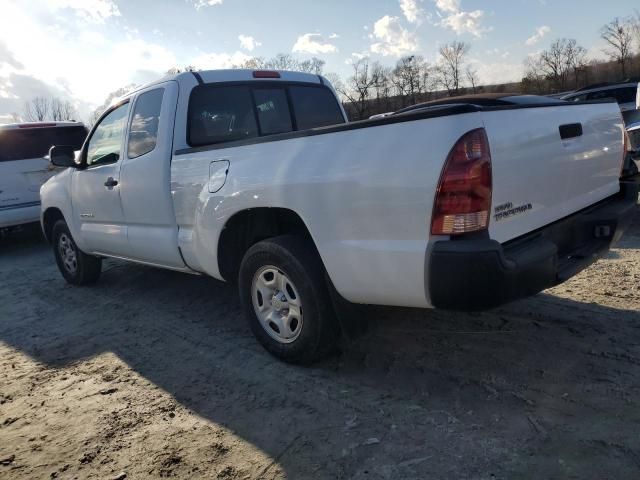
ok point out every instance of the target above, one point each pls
(105, 144)
(143, 133)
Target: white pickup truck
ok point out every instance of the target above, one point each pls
(257, 177)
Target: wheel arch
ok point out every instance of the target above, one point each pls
(247, 227)
(49, 218)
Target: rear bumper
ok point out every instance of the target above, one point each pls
(478, 274)
(20, 214)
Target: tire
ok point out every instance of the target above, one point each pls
(286, 300)
(68, 255)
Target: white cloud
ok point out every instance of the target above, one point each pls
(333, 36)
(412, 11)
(450, 6)
(248, 42)
(498, 72)
(539, 35)
(498, 52)
(205, 3)
(460, 21)
(391, 38)
(46, 64)
(355, 56)
(213, 61)
(313, 43)
(92, 11)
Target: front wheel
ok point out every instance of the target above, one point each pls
(76, 267)
(286, 300)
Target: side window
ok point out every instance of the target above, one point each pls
(610, 94)
(220, 114)
(143, 133)
(625, 95)
(273, 110)
(578, 98)
(106, 142)
(314, 107)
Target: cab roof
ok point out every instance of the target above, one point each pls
(236, 75)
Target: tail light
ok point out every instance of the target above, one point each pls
(463, 197)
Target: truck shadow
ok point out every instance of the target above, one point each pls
(417, 384)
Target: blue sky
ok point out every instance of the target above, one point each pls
(85, 49)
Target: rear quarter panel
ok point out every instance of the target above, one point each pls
(366, 196)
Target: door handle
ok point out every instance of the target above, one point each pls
(571, 130)
(111, 182)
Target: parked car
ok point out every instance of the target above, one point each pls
(627, 94)
(24, 165)
(256, 177)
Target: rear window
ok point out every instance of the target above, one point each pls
(26, 143)
(219, 113)
(273, 110)
(314, 107)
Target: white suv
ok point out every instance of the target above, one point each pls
(24, 165)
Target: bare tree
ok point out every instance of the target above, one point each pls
(314, 65)
(410, 77)
(552, 68)
(41, 109)
(62, 110)
(37, 109)
(534, 80)
(382, 87)
(253, 63)
(619, 35)
(555, 64)
(576, 58)
(472, 78)
(451, 61)
(282, 61)
(358, 88)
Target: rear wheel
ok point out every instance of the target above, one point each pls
(76, 267)
(286, 300)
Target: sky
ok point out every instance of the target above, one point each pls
(82, 50)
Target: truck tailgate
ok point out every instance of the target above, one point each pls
(549, 162)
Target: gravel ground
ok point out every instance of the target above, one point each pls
(155, 374)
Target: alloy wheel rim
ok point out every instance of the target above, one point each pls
(277, 304)
(68, 253)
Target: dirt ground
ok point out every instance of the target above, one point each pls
(155, 374)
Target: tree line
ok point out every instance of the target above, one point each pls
(373, 88)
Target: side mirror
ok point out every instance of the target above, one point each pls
(63, 156)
